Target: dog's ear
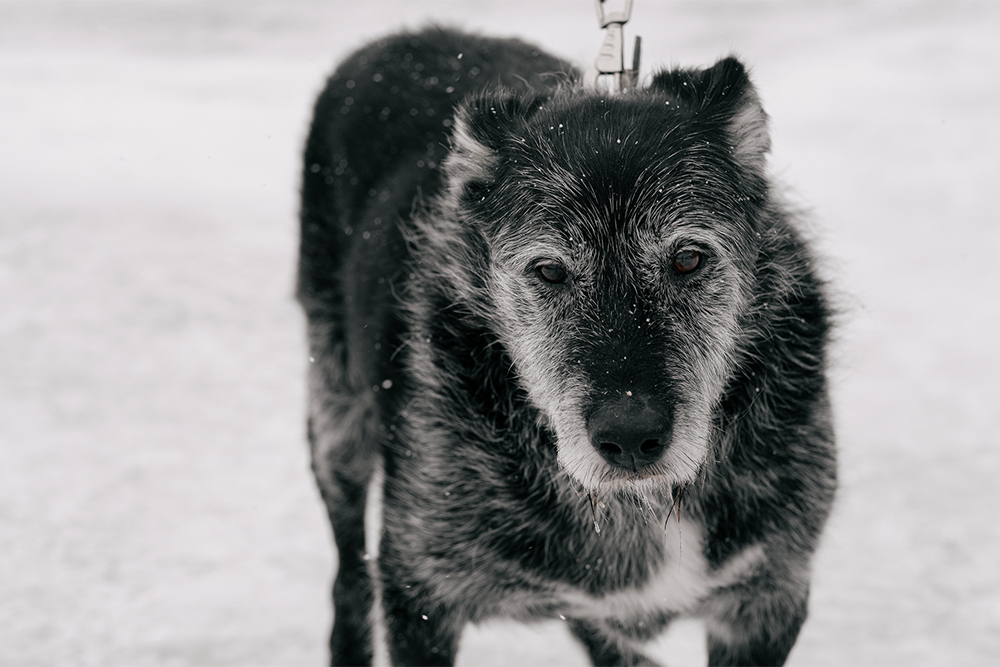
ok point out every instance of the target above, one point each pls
(723, 93)
(482, 125)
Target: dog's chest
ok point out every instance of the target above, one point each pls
(679, 583)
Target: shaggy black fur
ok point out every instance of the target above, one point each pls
(548, 410)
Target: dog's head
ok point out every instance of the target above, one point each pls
(616, 238)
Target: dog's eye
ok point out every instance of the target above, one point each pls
(686, 261)
(552, 272)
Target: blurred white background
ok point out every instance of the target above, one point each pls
(155, 500)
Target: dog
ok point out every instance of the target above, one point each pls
(567, 355)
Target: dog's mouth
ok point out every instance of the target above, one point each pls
(660, 494)
(622, 479)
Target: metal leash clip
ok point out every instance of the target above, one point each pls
(611, 58)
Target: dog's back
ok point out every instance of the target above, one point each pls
(380, 133)
(543, 322)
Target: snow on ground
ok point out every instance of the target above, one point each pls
(155, 501)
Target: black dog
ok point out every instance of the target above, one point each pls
(567, 355)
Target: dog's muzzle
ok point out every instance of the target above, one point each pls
(628, 433)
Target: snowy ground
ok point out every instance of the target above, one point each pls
(155, 502)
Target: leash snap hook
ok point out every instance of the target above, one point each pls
(611, 58)
(607, 19)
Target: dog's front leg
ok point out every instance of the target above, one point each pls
(417, 632)
(755, 625)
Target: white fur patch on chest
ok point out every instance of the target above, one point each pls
(683, 580)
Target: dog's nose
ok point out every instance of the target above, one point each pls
(628, 433)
